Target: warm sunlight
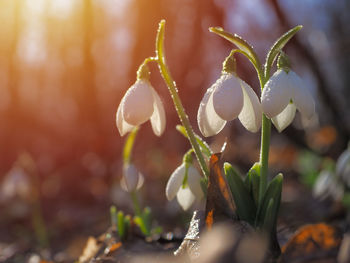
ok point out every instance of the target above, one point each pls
(59, 8)
(120, 120)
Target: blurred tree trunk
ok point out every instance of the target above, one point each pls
(181, 61)
(148, 15)
(194, 58)
(9, 149)
(13, 63)
(89, 101)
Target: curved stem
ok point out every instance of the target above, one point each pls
(176, 99)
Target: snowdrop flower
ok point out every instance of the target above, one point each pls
(132, 179)
(140, 104)
(228, 98)
(16, 184)
(328, 186)
(342, 168)
(282, 95)
(185, 196)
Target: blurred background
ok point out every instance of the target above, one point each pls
(65, 65)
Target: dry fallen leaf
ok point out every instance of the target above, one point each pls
(312, 242)
(220, 205)
(112, 248)
(91, 248)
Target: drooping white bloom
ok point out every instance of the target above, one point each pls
(16, 184)
(327, 186)
(228, 98)
(282, 95)
(132, 179)
(185, 196)
(140, 104)
(342, 168)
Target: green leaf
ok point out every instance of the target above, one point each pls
(127, 223)
(269, 217)
(114, 216)
(121, 225)
(277, 47)
(202, 144)
(204, 185)
(139, 222)
(246, 49)
(129, 143)
(246, 208)
(144, 222)
(157, 230)
(268, 211)
(254, 174)
(248, 182)
(147, 219)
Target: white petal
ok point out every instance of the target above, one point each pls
(301, 96)
(175, 182)
(228, 97)
(321, 187)
(158, 117)
(130, 178)
(276, 94)
(209, 122)
(251, 113)
(282, 120)
(185, 198)
(138, 103)
(342, 168)
(193, 180)
(140, 181)
(122, 125)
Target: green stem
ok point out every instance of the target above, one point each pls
(176, 99)
(264, 155)
(265, 141)
(136, 204)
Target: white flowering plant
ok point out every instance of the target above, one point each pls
(132, 180)
(257, 199)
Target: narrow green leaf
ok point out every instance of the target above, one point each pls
(202, 144)
(204, 185)
(277, 47)
(248, 182)
(127, 224)
(141, 224)
(246, 208)
(157, 230)
(254, 173)
(147, 219)
(269, 226)
(243, 45)
(268, 216)
(114, 216)
(121, 225)
(129, 143)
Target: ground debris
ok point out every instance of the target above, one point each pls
(312, 243)
(109, 248)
